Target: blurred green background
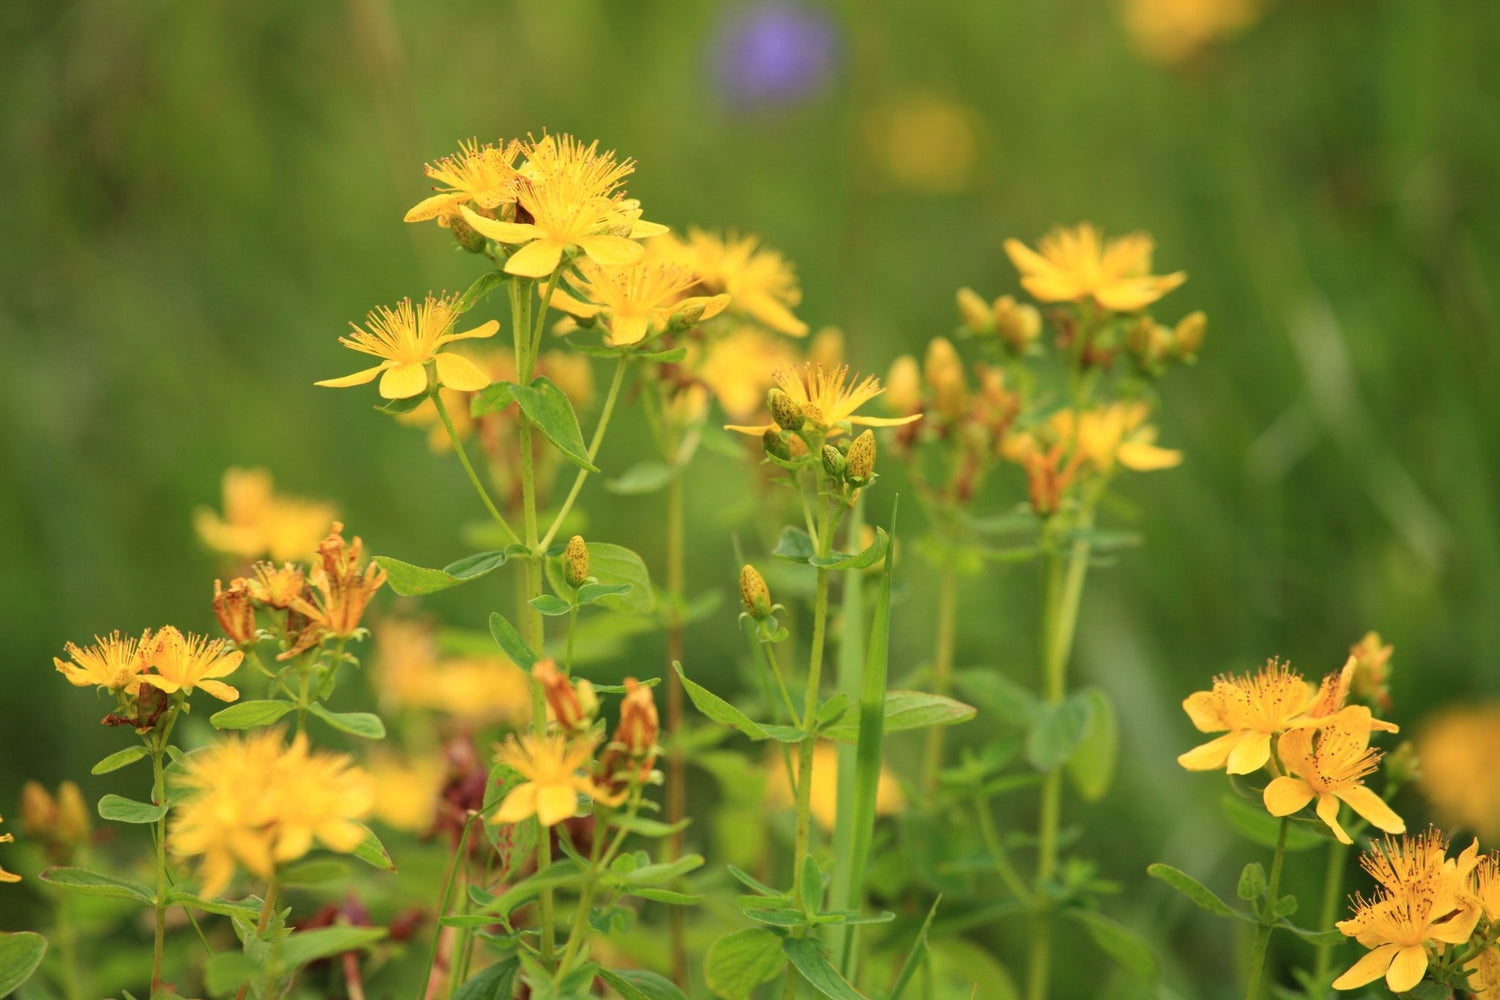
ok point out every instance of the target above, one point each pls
(200, 196)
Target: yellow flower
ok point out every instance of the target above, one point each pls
(1072, 265)
(482, 175)
(406, 790)
(636, 301)
(344, 586)
(1429, 904)
(1458, 748)
(474, 689)
(7, 838)
(259, 522)
(115, 662)
(926, 143)
(550, 765)
(64, 821)
(279, 587)
(1170, 31)
(407, 338)
(1115, 433)
(256, 802)
(824, 792)
(760, 281)
(737, 369)
(1327, 764)
(827, 399)
(184, 662)
(573, 195)
(1253, 708)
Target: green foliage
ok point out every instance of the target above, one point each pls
(549, 408)
(741, 960)
(414, 581)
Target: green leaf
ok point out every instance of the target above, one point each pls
(20, 954)
(741, 961)
(551, 605)
(667, 896)
(776, 916)
(479, 289)
(244, 909)
(639, 984)
(549, 408)
(1092, 766)
(415, 581)
(613, 566)
(119, 759)
(806, 955)
(1194, 890)
(565, 872)
(725, 714)
(1252, 884)
(1284, 907)
(1260, 827)
(312, 872)
(250, 714)
(1129, 950)
(363, 724)
(999, 694)
(296, 950)
(591, 592)
(373, 853)
(857, 560)
(119, 809)
(396, 407)
(794, 545)
(1057, 732)
(81, 880)
(510, 642)
(918, 950)
(812, 886)
(647, 827)
(498, 982)
(1313, 937)
(228, 971)
(664, 872)
(641, 478)
(905, 710)
(1428, 990)
(491, 399)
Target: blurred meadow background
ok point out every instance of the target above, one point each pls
(199, 197)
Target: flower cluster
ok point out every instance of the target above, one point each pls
(259, 522)
(166, 660)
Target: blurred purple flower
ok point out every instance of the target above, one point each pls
(775, 53)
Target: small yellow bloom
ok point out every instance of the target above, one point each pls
(573, 195)
(927, 143)
(259, 522)
(737, 368)
(828, 399)
(1072, 265)
(407, 338)
(184, 662)
(551, 766)
(1458, 747)
(406, 790)
(760, 281)
(635, 302)
(1328, 764)
(825, 782)
(1253, 708)
(1171, 31)
(344, 586)
(479, 690)
(1115, 433)
(115, 662)
(481, 175)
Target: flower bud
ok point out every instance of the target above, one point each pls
(566, 706)
(588, 699)
(859, 463)
(1372, 671)
(235, 610)
(1402, 765)
(944, 372)
(465, 235)
(576, 561)
(38, 811)
(754, 593)
(833, 462)
(784, 409)
(1187, 338)
(691, 312)
(975, 312)
(775, 444)
(638, 721)
(1018, 324)
(72, 814)
(903, 386)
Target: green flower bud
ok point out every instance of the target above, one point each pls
(784, 409)
(859, 464)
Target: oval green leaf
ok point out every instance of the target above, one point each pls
(20, 954)
(549, 409)
(1092, 766)
(119, 759)
(250, 714)
(119, 809)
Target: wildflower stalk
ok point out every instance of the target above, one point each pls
(1063, 589)
(447, 900)
(604, 415)
(676, 765)
(158, 746)
(1333, 893)
(1267, 921)
(463, 458)
(942, 670)
(267, 907)
(67, 947)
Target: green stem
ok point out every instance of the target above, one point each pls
(676, 763)
(996, 847)
(942, 671)
(447, 900)
(604, 415)
(267, 907)
(67, 946)
(1333, 891)
(577, 931)
(1267, 924)
(463, 458)
(158, 748)
(572, 629)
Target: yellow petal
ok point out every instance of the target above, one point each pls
(1137, 293)
(457, 372)
(628, 330)
(1407, 968)
(358, 378)
(1251, 754)
(504, 232)
(611, 251)
(294, 842)
(1373, 808)
(575, 307)
(865, 421)
(536, 259)
(157, 681)
(220, 690)
(404, 381)
(1284, 795)
(519, 804)
(1204, 711)
(486, 329)
(431, 208)
(641, 229)
(1026, 260)
(1328, 812)
(555, 803)
(1367, 969)
(1144, 457)
(757, 430)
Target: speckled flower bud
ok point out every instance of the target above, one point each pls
(1018, 324)
(576, 561)
(833, 462)
(903, 386)
(465, 234)
(784, 409)
(1187, 338)
(975, 312)
(775, 444)
(859, 463)
(754, 593)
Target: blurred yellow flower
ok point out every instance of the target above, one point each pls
(63, 820)
(481, 175)
(1458, 748)
(407, 338)
(1169, 31)
(574, 198)
(761, 283)
(828, 399)
(926, 143)
(475, 689)
(1075, 264)
(1115, 433)
(1328, 764)
(115, 662)
(183, 662)
(636, 301)
(737, 369)
(6, 838)
(551, 766)
(406, 789)
(257, 802)
(259, 522)
(889, 798)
